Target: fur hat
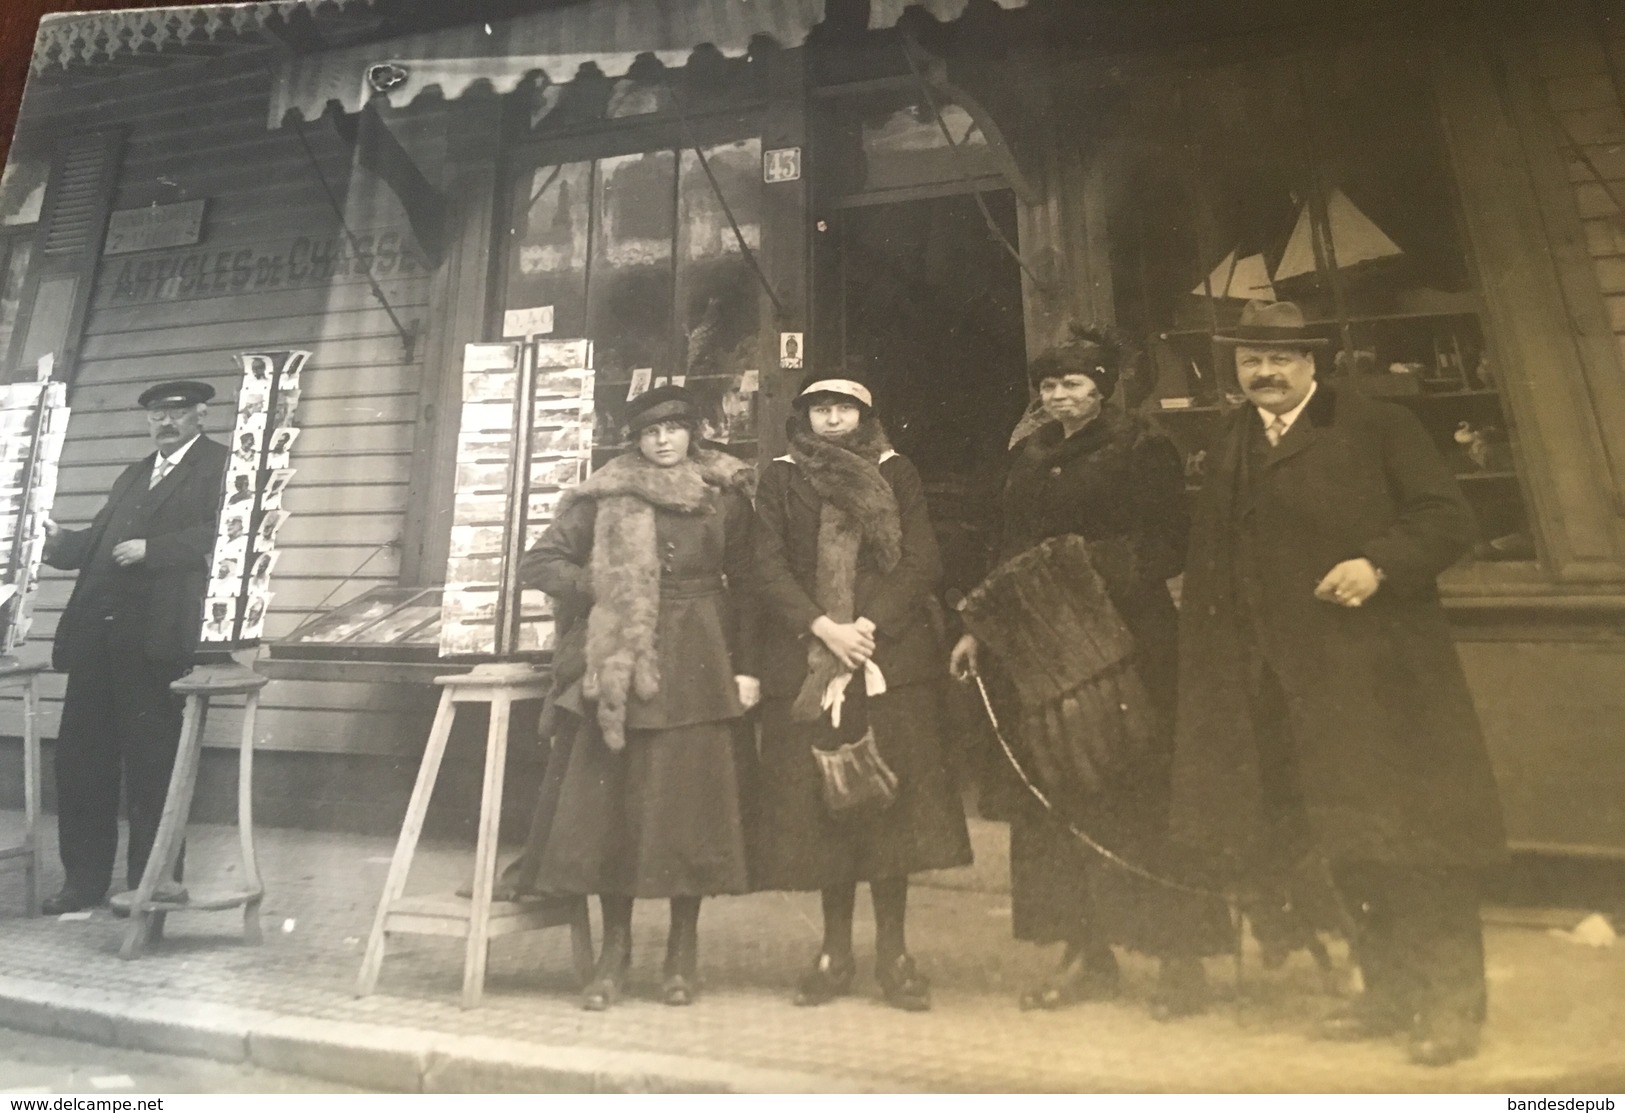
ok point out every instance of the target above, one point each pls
(1090, 350)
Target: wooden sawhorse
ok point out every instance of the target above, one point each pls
(146, 914)
(14, 671)
(478, 919)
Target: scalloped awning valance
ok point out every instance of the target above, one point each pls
(556, 43)
(66, 38)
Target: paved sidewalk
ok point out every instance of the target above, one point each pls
(1557, 1010)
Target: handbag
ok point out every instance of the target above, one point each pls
(856, 776)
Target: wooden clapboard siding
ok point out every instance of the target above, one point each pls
(1578, 82)
(360, 396)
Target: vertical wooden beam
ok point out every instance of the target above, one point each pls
(785, 254)
(459, 311)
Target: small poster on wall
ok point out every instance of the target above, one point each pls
(251, 510)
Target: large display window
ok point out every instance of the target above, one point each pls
(1322, 178)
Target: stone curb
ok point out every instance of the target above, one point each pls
(376, 1057)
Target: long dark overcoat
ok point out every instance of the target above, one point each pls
(177, 519)
(908, 645)
(1391, 766)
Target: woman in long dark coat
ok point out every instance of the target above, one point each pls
(1105, 475)
(846, 564)
(645, 785)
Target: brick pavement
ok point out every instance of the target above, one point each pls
(1558, 1009)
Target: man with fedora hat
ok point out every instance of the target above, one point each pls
(1323, 713)
(128, 632)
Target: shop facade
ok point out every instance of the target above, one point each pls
(929, 193)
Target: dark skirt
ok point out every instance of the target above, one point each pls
(661, 818)
(797, 844)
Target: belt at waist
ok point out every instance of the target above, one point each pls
(690, 587)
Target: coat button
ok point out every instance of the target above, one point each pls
(1212, 609)
(1056, 470)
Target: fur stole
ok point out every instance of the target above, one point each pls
(625, 568)
(858, 512)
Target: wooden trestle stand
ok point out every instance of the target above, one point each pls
(13, 671)
(478, 919)
(146, 914)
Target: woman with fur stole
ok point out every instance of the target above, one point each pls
(1095, 471)
(648, 767)
(846, 564)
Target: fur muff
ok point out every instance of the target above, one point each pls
(625, 568)
(859, 512)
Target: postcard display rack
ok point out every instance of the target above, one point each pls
(233, 618)
(33, 424)
(526, 436)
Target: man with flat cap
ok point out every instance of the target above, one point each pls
(1323, 713)
(128, 632)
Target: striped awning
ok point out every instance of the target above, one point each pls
(65, 38)
(554, 45)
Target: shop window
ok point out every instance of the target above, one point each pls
(877, 146)
(22, 194)
(1308, 178)
(637, 252)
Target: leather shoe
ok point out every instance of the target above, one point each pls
(1181, 991)
(902, 986)
(829, 978)
(1360, 1021)
(1444, 1039)
(68, 899)
(168, 892)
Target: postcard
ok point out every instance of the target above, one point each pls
(490, 386)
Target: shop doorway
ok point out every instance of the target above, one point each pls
(925, 302)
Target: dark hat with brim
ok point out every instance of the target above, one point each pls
(1272, 324)
(183, 392)
(663, 403)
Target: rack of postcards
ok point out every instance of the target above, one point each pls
(33, 425)
(251, 512)
(526, 436)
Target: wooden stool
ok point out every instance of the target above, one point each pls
(14, 671)
(146, 914)
(479, 919)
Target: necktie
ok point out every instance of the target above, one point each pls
(1275, 430)
(159, 470)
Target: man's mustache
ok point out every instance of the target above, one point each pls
(1263, 381)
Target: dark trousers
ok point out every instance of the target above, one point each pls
(1417, 932)
(120, 723)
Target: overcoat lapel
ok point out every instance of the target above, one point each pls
(174, 481)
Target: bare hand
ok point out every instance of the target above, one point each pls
(52, 530)
(962, 661)
(126, 553)
(750, 691)
(1349, 584)
(850, 645)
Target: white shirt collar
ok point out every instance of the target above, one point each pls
(1289, 418)
(175, 457)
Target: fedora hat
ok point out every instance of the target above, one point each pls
(1273, 324)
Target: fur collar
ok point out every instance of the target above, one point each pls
(625, 566)
(1049, 445)
(683, 487)
(858, 512)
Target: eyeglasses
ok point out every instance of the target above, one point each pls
(156, 414)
